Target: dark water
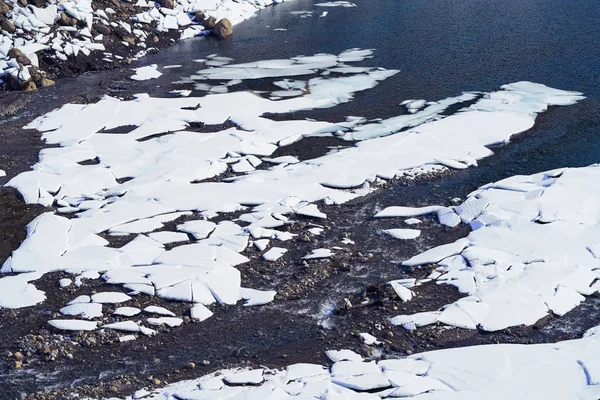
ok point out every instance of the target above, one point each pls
(443, 48)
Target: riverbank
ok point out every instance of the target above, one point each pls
(46, 40)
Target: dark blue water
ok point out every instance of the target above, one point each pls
(443, 48)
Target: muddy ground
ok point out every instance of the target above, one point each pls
(309, 314)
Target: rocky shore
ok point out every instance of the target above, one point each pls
(43, 40)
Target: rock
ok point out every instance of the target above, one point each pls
(4, 8)
(29, 86)
(18, 355)
(199, 16)
(223, 29)
(209, 23)
(167, 3)
(129, 39)
(102, 29)
(65, 20)
(47, 82)
(156, 381)
(14, 53)
(155, 39)
(18, 364)
(22, 3)
(23, 60)
(191, 365)
(8, 26)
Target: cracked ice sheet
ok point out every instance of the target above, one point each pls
(164, 169)
(530, 251)
(565, 370)
(145, 73)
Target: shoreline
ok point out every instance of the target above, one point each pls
(44, 41)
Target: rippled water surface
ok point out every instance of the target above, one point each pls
(443, 48)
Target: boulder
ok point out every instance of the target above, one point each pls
(23, 60)
(14, 52)
(102, 29)
(29, 86)
(129, 39)
(65, 20)
(223, 29)
(167, 3)
(8, 26)
(209, 23)
(47, 82)
(199, 16)
(4, 8)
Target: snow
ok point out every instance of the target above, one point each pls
(255, 297)
(110, 297)
(173, 175)
(403, 234)
(84, 310)
(200, 312)
(318, 253)
(127, 326)
(563, 370)
(127, 311)
(169, 321)
(274, 253)
(73, 325)
(158, 311)
(528, 253)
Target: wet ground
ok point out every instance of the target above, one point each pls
(310, 313)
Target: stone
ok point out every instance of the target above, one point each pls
(29, 86)
(18, 355)
(14, 53)
(167, 3)
(18, 364)
(4, 8)
(129, 39)
(223, 29)
(8, 26)
(23, 60)
(22, 3)
(102, 29)
(65, 20)
(47, 82)
(209, 23)
(199, 16)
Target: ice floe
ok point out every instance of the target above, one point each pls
(403, 233)
(84, 310)
(565, 370)
(161, 171)
(274, 253)
(145, 73)
(530, 252)
(73, 325)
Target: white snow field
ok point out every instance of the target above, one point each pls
(567, 370)
(158, 172)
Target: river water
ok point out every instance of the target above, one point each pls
(442, 48)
